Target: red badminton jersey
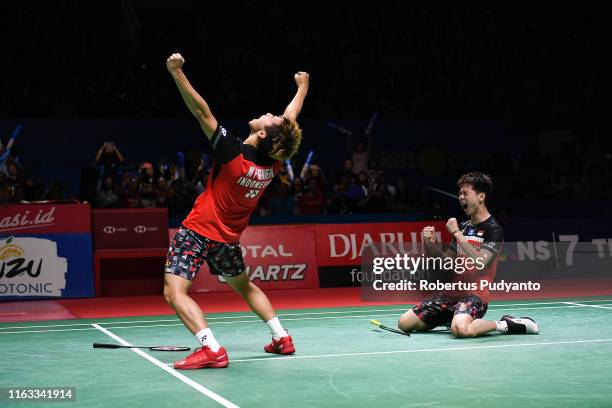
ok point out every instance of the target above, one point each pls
(238, 179)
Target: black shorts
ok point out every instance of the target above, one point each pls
(189, 250)
(439, 310)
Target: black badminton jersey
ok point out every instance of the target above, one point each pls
(485, 236)
(239, 176)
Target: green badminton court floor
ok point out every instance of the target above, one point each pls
(341, 361)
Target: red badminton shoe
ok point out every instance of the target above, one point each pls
(203, 357)
(282, 346)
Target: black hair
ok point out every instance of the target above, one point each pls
(480, 182)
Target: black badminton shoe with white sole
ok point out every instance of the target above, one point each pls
(521, 325)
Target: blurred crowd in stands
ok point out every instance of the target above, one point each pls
(577, 171)
(21, 181)
(359, 184)
(358, 188)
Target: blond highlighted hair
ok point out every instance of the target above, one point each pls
(284, 139)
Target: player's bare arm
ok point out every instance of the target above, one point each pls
(485, 256)
(292, 111)
(196, 104)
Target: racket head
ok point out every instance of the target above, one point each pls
(169, 348)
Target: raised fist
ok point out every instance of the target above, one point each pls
(301, 78)
(452, 225)
(429, 234)
(175, 62)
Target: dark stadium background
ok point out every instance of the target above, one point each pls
(520, 91)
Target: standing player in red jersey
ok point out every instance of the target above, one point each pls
(211, 232)
(479, 238)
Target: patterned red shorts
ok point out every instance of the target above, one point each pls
(440, 310)
(189, 250)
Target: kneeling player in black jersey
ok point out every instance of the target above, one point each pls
(480, 237)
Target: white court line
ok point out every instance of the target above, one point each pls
(255, 318)
(46, 331)
(180, 324)
(345, 317)
(552, 343)
(207, 318)
(289, 319)
(186, 380)
(595, 306)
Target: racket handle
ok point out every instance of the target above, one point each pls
(105, 345)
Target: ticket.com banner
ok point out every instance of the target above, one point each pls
(276, 257)
(45, 251)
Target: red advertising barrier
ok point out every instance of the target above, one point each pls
(310, 256)
(276, 257)
(342, 244)
(44, 219)
(125, 228)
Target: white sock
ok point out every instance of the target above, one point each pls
(206, 338)
(502, 326)
(276, 328)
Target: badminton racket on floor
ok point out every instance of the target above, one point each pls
(154, 348)
(382, 326)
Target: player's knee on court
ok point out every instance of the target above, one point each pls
(460, 330)
(409, 321)
(403, 324)
(460, 325)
